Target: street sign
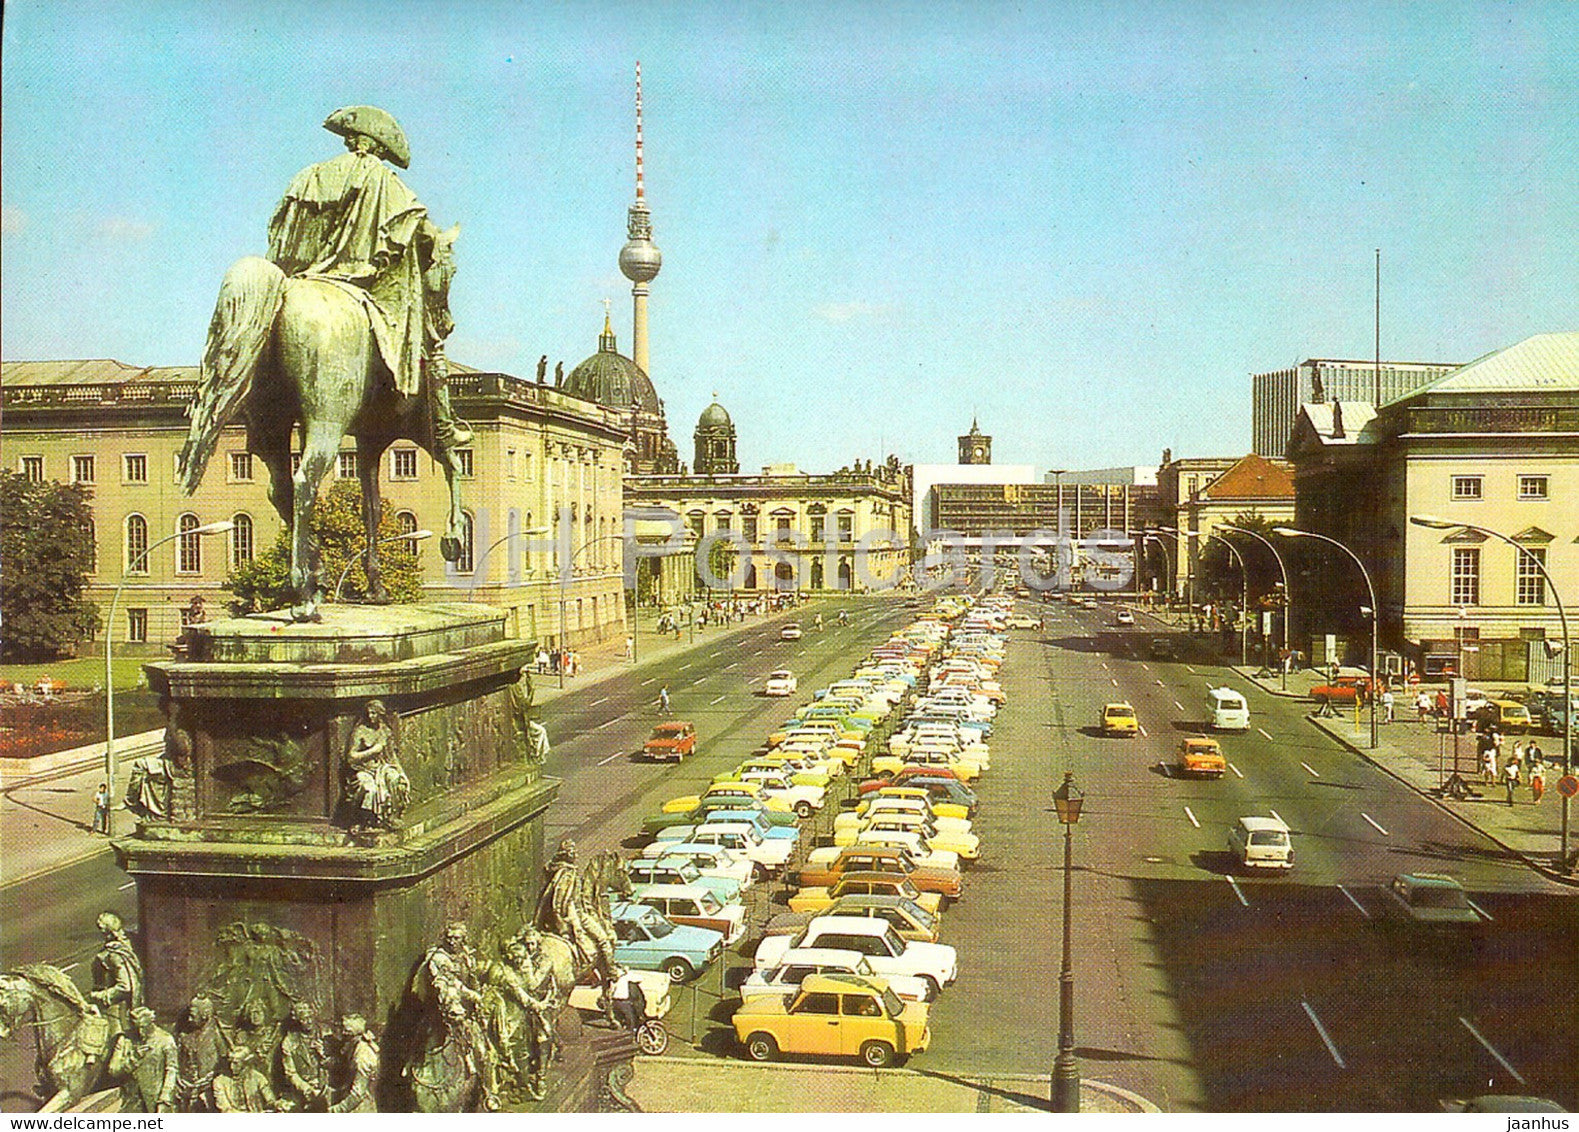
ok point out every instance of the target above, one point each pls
(1568, 786)
(1457, 686)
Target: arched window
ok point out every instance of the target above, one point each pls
(406, 524)
(240, 539)
(189, 547)
(466, 563)
(136, 544)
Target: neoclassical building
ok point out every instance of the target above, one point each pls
(538, 454)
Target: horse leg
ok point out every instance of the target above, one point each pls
(320, 448)
(369, 454)
(277, 459)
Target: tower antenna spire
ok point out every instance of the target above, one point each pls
(640, 189)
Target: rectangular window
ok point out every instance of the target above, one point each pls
(509, 463)
(403, 464)
(781, 526)
(189, 548)
(1466, 575)
(1530, 584)
(722, 522)
(33, 468)
(241, 467)
(1466, 487)
(136, 625)
(134, 468)
(463, 462)
(846, 528)
(82, 469)
(748, 527)
(1532, 487)
(347, 466)
(818, 528)
(1192, 485)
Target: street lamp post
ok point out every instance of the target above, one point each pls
(567, 561)
(1288, 594)
(1294, 532)
(409, 536)
(1167, 581)
(1437, 524)
(1244, 594)
(1067, 800)
(109, 670)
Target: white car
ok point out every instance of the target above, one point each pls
(1021, 621)
(888, 804)
(790, 632)
(1125, 617)
(884, 948)
(742, 838)
(803, 799)
(798, 962)
(709, 860)
(781, 682)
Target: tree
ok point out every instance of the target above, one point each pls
(1219, 570)
(46, 550)
(264, 583)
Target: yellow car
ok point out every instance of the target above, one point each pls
(966, 846)
(749, 794)
(939, 808)
(1119, 719)
(885, 803)
(834, 1016)
(886, 766)
(818, 898)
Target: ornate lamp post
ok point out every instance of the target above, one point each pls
(109, 670)
(1437, 524)
(1294, 532)
(1067, 800)
(409, 536)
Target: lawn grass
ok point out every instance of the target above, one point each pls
(82, 672)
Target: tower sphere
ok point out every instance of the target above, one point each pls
(640, 260)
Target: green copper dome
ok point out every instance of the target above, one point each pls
(611, 379)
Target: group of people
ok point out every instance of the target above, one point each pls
(1521, 766)
(558, 661)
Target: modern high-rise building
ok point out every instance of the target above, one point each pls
(1276, 397)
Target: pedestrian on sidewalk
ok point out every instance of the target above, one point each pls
(1510, 778)
(630, 648)
(1537, 781)
(101, 809)
(1488, 762)
(1423, 706)
(1387, 704)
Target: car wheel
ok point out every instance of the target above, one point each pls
(678, 970)
(933, 990)
(879, 1055)
(761, 1047)
(803, 810)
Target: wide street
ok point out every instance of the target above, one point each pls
(1197, 987)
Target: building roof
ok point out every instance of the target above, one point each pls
(1540, 364)
(714, 416)
(1253, 477)
(89, 371)
(1341, 422)
(610, 378)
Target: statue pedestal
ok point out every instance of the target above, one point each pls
(265, 885)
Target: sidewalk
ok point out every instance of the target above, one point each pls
(1413, 753)
(687, 1084)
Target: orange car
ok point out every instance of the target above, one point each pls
(671, 741)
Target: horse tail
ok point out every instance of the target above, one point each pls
(249, 299)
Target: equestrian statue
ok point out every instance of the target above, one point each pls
(340, 331)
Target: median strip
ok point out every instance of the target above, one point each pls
(1322, 1030)
(1378, 828)
(1239, 892)
(1491, 1049)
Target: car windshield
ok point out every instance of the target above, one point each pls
(657, 926)
(708, 902)
(892, 1004)
(1438, 898)
(917, 913)
(891, 938)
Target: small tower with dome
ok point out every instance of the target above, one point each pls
(715, 442)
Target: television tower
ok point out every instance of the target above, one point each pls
(639, 258)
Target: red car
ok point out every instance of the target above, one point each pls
(907, 772)
(670, 742)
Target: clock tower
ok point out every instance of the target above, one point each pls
(975, 447)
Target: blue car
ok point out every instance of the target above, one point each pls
(649, 942)
(680, 870)
(765, 829)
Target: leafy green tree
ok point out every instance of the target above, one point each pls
(1219, 574)
(46, 552)
(264, 583)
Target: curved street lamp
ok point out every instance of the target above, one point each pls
(1167, 563)
(409, 536)
(1438, 524)
(1295, 532)
(1288, 594)
(218, 528)
(1244, 592)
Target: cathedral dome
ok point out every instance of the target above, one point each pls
(611, 379)
(715, 416)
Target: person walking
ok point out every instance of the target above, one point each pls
(663, 699)
(1488, 762)
(1387, 704)
(1537, 780)
(630, 648)
(101, 809)
(1510, 777)
(1423, 705)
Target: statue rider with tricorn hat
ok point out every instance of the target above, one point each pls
(351, 222)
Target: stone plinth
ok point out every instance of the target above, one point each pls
(267, 883)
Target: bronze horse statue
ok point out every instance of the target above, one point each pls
(72, 1038)
(290, 350)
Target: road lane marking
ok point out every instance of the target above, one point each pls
(1159, 683)
(1189, 813)
(728, 667)
(1143, 734)
(1277, 816)
(1264, 735)
(1236, 770)
(595, 703)
(1115, 682)
(1104, 666)
(1178, 705)
(1355, 902)
(1322, 1030)
(715, 699)
(1238, 892)
(124, 887)
(1146, 666)
(1310, 769)
(611, 758)
(1491, 1049)
(649, 680)
(1479, 909)
(69, 967)
(1191, 671)
(1378, 828)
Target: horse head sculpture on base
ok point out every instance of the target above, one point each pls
(303, 351)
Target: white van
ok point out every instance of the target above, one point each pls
(1261, 843)
(1229, 712)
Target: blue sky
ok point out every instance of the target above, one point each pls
(1086, 223)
